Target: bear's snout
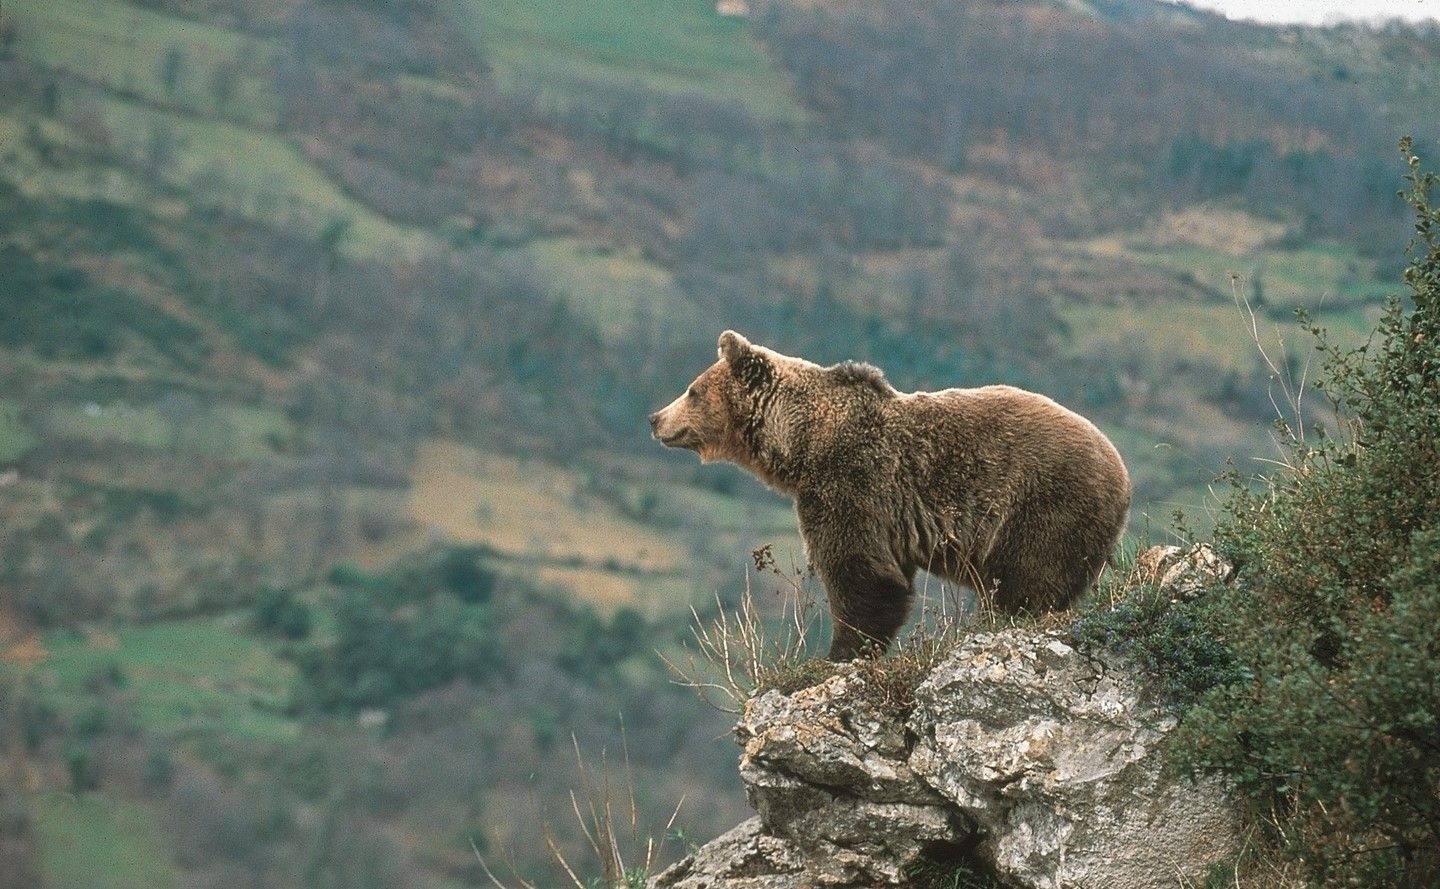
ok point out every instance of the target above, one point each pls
(671, 430)
(657, 427)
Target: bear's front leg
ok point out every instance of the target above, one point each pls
(869, 601)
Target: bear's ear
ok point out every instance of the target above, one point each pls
(747, 364)
(732, 346)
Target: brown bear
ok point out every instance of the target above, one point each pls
(996, 488)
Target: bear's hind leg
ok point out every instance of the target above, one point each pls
(869, 602)
(1040, 572)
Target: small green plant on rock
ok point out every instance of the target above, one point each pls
(1173, 642)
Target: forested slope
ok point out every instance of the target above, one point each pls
(301, 298)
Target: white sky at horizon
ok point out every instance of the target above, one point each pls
(1321, 12)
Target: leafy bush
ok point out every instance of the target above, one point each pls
(461, 572)
(347, 575)
(84, 774)
(157, 772)
(419, 624)
(596, 648)
(92, 722)
(125, 503)
(381, 654)
(278, 611)
(433, 618)
(1173, 642)
(1334, 733)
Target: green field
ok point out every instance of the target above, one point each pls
(1317, 275)
(253, 172)
(186, 677)
(1210, 335)
(15, 436)
(1214, 336)
(34, 179)
(215, 143)
(90, 840)
(228, 432)
(129, 49)
(670, 46)
(614, 289)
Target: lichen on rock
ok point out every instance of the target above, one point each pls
(1056, 755)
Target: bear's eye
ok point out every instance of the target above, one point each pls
(691, 393)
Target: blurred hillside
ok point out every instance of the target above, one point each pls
(328, 330)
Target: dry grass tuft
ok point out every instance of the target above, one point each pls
(739, 653)
(609, 819)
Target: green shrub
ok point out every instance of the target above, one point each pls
(1334, 734)
(16, 439)
(307, 772)
(461, 572)
(1173, 642)
(84, 775)
(92, 722)
(125, 503)
(278, 611)
(38, 718)
(596, 647)
(382, 653)
(347, 575)
(157, 773)
(57, 312)
(419, 623)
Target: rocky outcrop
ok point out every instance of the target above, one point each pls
(833, 776)
(745, 858)
(1037, 761)
(1184, 573)
(1056, 755)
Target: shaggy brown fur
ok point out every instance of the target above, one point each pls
(996, 488)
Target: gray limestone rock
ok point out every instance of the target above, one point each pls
(1057, 757)
(744, 858)
(1042, 760)
(832, 776)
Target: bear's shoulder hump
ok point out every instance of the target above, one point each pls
(858, 373)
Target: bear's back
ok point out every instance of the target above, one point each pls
(1000, 416)
(998, 447)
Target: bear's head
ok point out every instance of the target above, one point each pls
(719, 415)
(765, 411)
